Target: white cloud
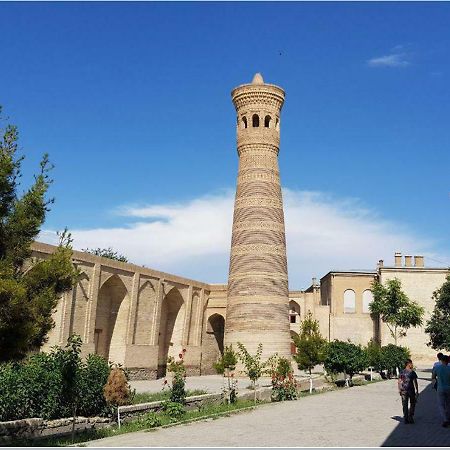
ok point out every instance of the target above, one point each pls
(396, 59)
(192, 239)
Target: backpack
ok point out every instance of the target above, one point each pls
(404, 381)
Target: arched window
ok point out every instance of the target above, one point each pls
(349, 301)
(255, 121)
(267, 121)
(244, 122)
(367, 300)
(277, 124)
(294, 312)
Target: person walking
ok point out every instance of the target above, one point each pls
(409, 390)
(441, 373)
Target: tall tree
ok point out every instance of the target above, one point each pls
(395, 309)
(310, 345)
(29, 290)
(438, 326)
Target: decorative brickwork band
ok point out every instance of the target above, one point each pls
(258, 301)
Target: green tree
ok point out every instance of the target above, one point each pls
(29, 290)
(254, 366)
(345, 357)
(106, 253)
(310, 345)
(438, 326)
(395, 309)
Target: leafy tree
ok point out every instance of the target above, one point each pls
(106, 253)
(345, 357)
(438, 326)
(392, 358)
(395, 309)
(310, 345)
(227, 361)
(71, 366)
(29, 290)
(253, 365)
(373, 354)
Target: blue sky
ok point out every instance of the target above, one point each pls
(132, 102)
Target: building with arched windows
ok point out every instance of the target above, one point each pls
(139, 317)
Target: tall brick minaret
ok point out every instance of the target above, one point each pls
(258, 296)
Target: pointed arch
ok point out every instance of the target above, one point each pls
(145, 307)
(255, 121)
(267, 121)
(171, 328)
(213, 345)
(80, 302)
(111, 320)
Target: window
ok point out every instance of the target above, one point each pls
(255, 121)
(367, 300)
(277, 124)
(267, 121)
(244, 122)
(349, 301)
(294, 312)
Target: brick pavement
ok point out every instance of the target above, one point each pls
(359, 416)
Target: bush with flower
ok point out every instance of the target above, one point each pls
(284, 384)
(178, 370)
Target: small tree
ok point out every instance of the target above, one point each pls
(395, 309)
(373, 356)
(29, 290)
(178, 370)
(106, 253)
(71, 366)
(227, 361)
(117, 390)
(393, 358)
(225, 365)
(310, 345)
(438, 326)
(345, 357)
(253, 365)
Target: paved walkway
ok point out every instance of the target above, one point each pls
(359, 416)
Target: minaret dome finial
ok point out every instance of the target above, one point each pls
(258, 79)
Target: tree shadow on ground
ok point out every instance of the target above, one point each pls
(426, 431)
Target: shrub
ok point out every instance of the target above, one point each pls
(39, 386)
(393, 357)
(284, 385)
(227, 361)
(150, 420)
(117, 390)
(174, 410)
(178, 389)
(373, 355)
(345, 357)
(93, 378)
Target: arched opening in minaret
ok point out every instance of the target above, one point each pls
(244, 122)
(267, 121)
(255, 121)
(171, 329)
(277, 124)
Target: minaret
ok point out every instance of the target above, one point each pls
(258, 296)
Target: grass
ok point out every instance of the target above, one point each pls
(147, 397)
(144, 422)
